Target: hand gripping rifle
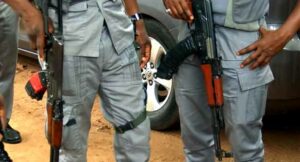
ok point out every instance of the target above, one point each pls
(203, 43)
(51, 78)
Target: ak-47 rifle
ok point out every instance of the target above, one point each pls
(202, 42)
(54, 59)
(51, 78)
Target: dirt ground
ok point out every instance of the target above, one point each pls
(282, 143)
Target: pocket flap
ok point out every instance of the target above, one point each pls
(249, 79)
(82, 6)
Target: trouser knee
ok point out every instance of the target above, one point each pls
(133, 145)
(246, 141)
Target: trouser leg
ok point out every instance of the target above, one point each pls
(80, 84)
(117, 79)
(243, 112)
(8, 54)
(123, 100)
(80, 80)
(195, 115)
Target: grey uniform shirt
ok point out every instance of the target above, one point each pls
(83, 38)
(249, 13)
(241, 11)
(234, 36)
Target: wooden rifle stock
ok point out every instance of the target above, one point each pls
(57, 132)
(57, 125)
(49, 123)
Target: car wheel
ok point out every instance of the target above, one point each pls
(161, 106)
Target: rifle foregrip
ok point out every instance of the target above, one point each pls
(49, 122)
(218, 89)
(213, 85)
(57, 133)
(208, 80)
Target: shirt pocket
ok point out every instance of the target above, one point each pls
(246, 11)
(75, 22)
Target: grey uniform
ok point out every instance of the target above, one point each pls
(8, 54)
(245, 91)
(100, 59)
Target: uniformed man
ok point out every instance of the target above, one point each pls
(237, 24)
(100, 59)
(8, 54)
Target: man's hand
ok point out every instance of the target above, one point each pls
(144, 42)
(180, 9)
(33, 26)
(141, 35)
(272, 42)
(269, 44)
(32, 21)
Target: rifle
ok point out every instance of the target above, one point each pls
(203, 43)
(51, 78)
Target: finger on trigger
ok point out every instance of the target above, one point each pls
(187, 10)
(174, 12)
(181, 12)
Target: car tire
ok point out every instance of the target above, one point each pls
(166, 115)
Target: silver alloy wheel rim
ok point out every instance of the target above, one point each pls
(158, 90)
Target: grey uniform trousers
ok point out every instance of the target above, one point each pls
(243, 116)
(116, 78)
(243, 112)
(8, 54)
(92, 67)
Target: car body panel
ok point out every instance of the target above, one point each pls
(279, 10)
(156, 10)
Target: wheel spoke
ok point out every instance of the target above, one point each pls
(165, 83)
(152, 101)
(156, 51)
